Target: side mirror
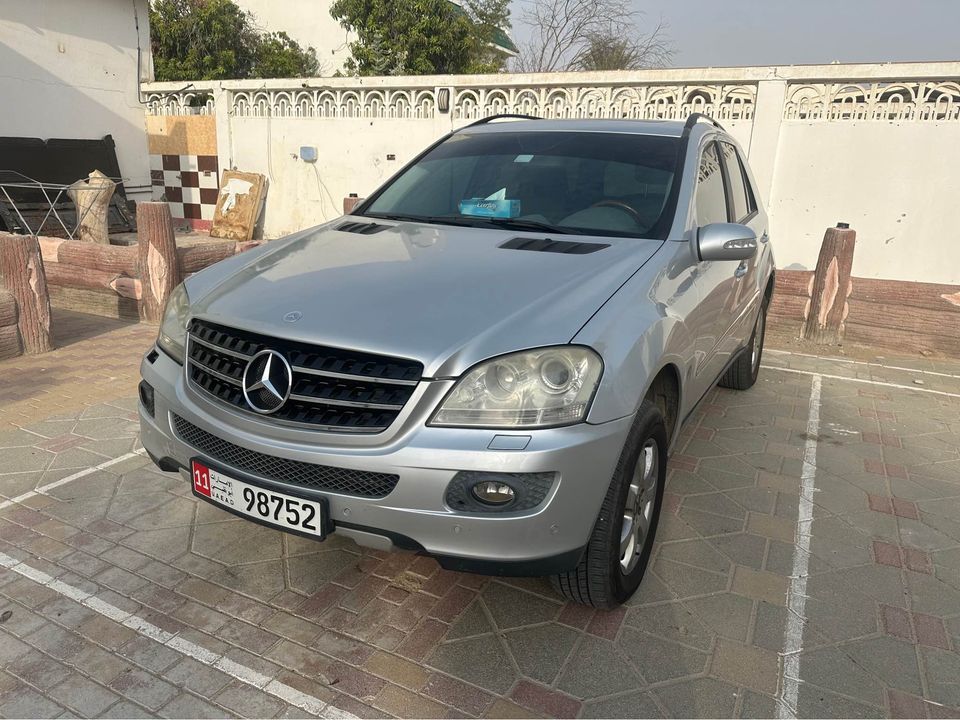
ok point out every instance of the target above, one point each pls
(726, 241)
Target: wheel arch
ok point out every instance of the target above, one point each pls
(665, 391)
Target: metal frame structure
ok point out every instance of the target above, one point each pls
(52, 193)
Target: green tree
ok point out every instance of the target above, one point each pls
(422, 37)
(610, 52)
(216, 40)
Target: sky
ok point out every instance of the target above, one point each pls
(719, 33)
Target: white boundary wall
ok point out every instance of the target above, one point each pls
(877, 146)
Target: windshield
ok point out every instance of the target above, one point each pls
(592, 183)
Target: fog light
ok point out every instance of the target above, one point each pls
(146, 397)
(493, 493)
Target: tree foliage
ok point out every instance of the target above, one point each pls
(422, 37)
(589, 35)
(216, 40)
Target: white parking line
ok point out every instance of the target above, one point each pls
(848, 361)
(43, 489)
(289, 695)
(797, 593)
(881, 383)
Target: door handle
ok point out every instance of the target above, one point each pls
(764, 238)
(741, 269)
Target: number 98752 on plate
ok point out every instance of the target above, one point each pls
(286, 512)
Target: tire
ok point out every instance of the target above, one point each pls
(606, 577)
(742, 374)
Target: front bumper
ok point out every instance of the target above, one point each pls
(547, 539)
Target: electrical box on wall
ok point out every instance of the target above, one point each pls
(308, 153)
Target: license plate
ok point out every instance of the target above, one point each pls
(288, 512)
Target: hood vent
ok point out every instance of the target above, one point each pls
(361, 228)
(564, 247)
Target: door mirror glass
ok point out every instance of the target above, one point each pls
(726, 241)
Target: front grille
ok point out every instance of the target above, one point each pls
(333, 389)
(291, 472)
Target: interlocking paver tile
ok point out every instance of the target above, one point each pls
(544, 700)
(82, 695)
(482, 661)
(403, 703)
(144, 688)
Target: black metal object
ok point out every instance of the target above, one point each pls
(500, 116)
(564, 247)
(55, 162)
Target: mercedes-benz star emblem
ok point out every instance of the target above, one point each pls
(267, 381)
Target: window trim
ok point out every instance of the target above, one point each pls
(723, 177)
(751, 198)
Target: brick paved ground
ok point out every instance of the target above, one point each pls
(144, 575)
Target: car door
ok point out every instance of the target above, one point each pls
(745, 290)
(715, 280)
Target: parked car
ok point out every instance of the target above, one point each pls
(488, 361)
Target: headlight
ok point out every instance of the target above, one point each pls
(173, 329)
(530, 389)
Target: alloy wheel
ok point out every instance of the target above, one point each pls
(638, 510)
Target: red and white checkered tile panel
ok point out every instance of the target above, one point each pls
(190, 183)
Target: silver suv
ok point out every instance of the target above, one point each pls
(488, 361)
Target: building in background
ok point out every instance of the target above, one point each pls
(72, 70)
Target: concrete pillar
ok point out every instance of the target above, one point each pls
(221, 112)
(765, 135)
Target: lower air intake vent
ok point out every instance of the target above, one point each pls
(564, 247)
(293, 472)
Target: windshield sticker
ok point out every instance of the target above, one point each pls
(523, 158)
(491, 208)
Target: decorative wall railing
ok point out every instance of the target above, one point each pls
(182, 102)
(642, 102)
(879, 101)
(413, 103)
(728, 95)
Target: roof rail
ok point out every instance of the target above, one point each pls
(696, 117)
(501, 116)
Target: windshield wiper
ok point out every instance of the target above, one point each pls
(436, 219)
(534, 225)
(473, 221)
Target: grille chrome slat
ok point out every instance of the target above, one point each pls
(225, 351)
(218, 375)
(347, 403)
(333, 390)
(360, 483)
(348, 376)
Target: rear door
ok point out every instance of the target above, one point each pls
(745, 286)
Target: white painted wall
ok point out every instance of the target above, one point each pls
(306, 21)
(68, 69)
(351, 159)
(894, 180)
(897, 184)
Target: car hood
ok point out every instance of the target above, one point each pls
(446, 296)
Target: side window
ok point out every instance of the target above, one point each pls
(739, 189)
(710, 201)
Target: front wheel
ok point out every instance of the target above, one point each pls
(622, 539)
